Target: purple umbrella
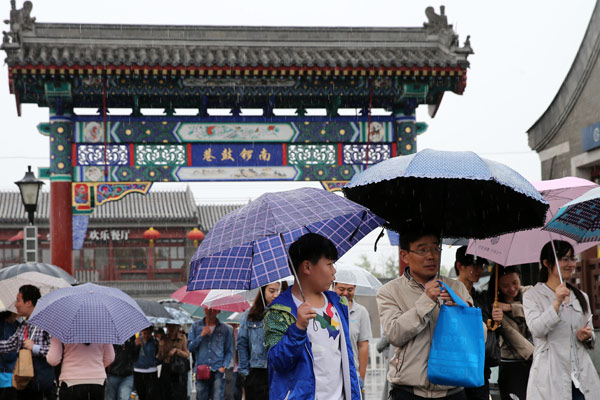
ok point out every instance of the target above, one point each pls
(248, 247)
(89, 313)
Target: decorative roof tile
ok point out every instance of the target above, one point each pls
(209, 214)
(67, 45)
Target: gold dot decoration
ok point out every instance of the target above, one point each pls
(307, 179)
(306, 123)
(346, 171)
(61, 165)
(320, 172)
(52, 157)
(148, 131)
(52, 139)
(165, 141)
(323, 131)
(137, 167)
(60, 147)
(408, 129)
(342, 131)
(164, 122)
(152, 173)
(60, 129)
(138, 180)
(408, 147)
(128, 132)
(166, 167)
(144, 122)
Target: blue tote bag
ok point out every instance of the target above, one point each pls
(457, 351)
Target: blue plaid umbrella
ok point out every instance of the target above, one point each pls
(89, 313)
(247, 248)
(578, 219)
(455, 193)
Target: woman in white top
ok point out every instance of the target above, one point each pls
(559, 319)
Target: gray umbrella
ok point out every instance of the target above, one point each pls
(153, 309)
(47, 269)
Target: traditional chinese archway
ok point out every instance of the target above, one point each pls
(99, 158)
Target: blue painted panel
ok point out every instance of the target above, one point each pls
(236, 154)
(590, 137)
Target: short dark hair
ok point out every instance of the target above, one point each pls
(311, 247)
(406, 238)
(30, 293)
(467, 259)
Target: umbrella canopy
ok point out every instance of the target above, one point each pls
(366, 283)
(176, 317)
(153, 308)
(89, 313)
(578, 219)
(198, 312)
(248, 247)
(455, 193)
(524, 247)
(47, 269)
(10, 287)
(231, 300)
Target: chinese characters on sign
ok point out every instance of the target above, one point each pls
(237, 154)
(108, 234)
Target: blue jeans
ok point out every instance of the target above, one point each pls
(211, 388)
(119, 387)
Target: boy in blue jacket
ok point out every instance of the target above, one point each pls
(308, 340)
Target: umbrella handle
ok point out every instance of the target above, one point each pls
(493, 325)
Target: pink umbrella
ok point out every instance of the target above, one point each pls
(524, 247)
(230, 301)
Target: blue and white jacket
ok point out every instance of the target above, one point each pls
(289, 355)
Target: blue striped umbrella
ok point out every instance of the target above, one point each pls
(246, 249)
(455, 193)
(579, 218)
(89, 313)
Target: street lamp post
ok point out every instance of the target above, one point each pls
(29, 187)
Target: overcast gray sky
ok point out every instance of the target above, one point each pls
(523, 51)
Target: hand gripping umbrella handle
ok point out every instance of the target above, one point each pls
(493, 325)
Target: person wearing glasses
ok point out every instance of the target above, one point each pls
(559, 318)
(408, 309)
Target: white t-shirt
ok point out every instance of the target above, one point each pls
(324, 335)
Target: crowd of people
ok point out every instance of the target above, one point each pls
(310, 342)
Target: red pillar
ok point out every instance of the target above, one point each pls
(61, 225)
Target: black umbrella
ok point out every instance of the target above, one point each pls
(153, 309)
(454, 193)
(46, 269)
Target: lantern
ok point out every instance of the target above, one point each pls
(196, 235)
(151, 235)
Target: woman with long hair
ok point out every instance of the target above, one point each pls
(559, 318)
(516, 348)
(250, 344)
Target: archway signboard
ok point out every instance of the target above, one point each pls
(99, 158)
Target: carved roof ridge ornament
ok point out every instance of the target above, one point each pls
(438, 25)
(20, 20)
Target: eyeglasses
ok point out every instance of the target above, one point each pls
(568, 259)
(423, 252)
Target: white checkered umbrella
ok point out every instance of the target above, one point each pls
(89, 313)
(10, 287)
